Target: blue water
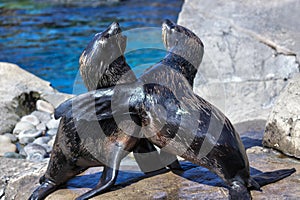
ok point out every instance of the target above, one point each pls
(47, 37)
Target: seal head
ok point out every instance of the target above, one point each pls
(183, 42)
(103, 57)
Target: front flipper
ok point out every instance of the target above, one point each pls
(149, 160)
(107, 180)
(271, 177)
(170, 160)
(147, 156)
(109, 175)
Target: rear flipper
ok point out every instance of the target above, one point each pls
(271, 177)
(170, 160)
(150, 160)
(46, 188)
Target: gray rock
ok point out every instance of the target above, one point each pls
(21, 150)
(18, 177)
(19, 90)
(52, 132)
(30, 119)
(41, 127)
(12, 137)
(197, 183)
(14, 155)
(44, 117)
(283, 127)
(6, 145)
(42, 140)
(44, 106)
(53, 124)
(35, 152)
(29, 133)
(26, 140)
(47, 147)
(22, 126)
(51, 142)
(250, 52)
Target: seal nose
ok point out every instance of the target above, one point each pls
(168, 24)
(114, 28)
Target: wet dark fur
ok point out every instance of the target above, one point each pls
(102, 63)
(69, 156)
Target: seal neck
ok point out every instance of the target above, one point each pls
(192, 54)
(181, 65)
(118, 72)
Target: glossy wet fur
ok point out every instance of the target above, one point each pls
(69, 157)
(102, 63)
(227, 157)
(71, 161)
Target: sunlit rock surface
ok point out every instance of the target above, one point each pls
(251, 50)
(283, 126)
(195, 182)
(19, 91)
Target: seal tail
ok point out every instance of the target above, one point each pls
(270, 177)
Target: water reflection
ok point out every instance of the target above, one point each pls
(47, 37)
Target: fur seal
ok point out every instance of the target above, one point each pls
(174, 130)
(100, 71)
(103, 64)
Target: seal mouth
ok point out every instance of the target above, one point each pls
(113, 30)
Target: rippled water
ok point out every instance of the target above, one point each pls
(47, 37)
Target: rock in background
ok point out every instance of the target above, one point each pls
(283, 127)
(250, 52)
(18, 177)
(19, 92)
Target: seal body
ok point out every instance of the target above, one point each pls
(71, 153)
(102, 64)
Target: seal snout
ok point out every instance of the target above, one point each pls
(168, 24)
(114, 29)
